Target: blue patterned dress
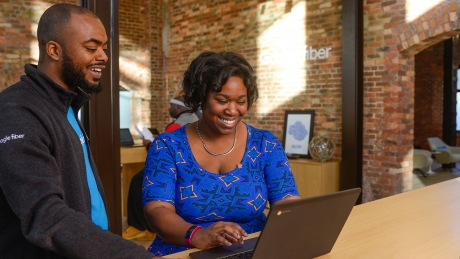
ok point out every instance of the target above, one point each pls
(200, 197)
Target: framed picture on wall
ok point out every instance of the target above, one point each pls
(298, 132)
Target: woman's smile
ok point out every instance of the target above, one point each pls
(223, 110)
(229, 122)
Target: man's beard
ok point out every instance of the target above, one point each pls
(75, 77)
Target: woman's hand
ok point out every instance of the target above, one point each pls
(224, 233)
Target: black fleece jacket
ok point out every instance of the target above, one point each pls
(45, 209)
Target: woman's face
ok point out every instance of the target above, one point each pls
(223, 110)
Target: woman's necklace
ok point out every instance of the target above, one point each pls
(209, 151)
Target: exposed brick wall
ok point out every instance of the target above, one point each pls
(141, 61)
(387, 102)
(429, 85)
(255, 28)
(139, 56)
(391, 42)
(18, 41)
(157, 103)
(271, 35)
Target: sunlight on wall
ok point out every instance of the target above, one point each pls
(36, 12)
(282, 57)
(135, 76)
(34, 52)
(415, 8)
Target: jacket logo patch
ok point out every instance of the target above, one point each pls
(11, 137)
(82, 140)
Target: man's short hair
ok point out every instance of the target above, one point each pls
(53, 22)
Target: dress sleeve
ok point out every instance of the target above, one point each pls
(278, 175)
(159, 182)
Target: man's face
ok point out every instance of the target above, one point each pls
(75, 76)
(83, 56)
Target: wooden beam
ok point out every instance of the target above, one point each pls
(101, 117)
(351, 169)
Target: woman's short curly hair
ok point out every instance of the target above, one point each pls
(210, 71)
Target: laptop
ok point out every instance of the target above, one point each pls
(126, 139)
(304, 228)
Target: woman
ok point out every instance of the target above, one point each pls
(208, 182)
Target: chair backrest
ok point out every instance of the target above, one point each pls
(436, 143)
(422, 152)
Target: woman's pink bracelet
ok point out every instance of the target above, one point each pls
(189, 235)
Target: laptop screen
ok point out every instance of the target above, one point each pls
(126, 139)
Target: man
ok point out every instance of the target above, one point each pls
(181, 113)
(137, 226)
(52, 203)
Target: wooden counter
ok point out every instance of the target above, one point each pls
(423, 223)
(132, 160)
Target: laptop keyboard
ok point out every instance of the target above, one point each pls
(243, 255)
